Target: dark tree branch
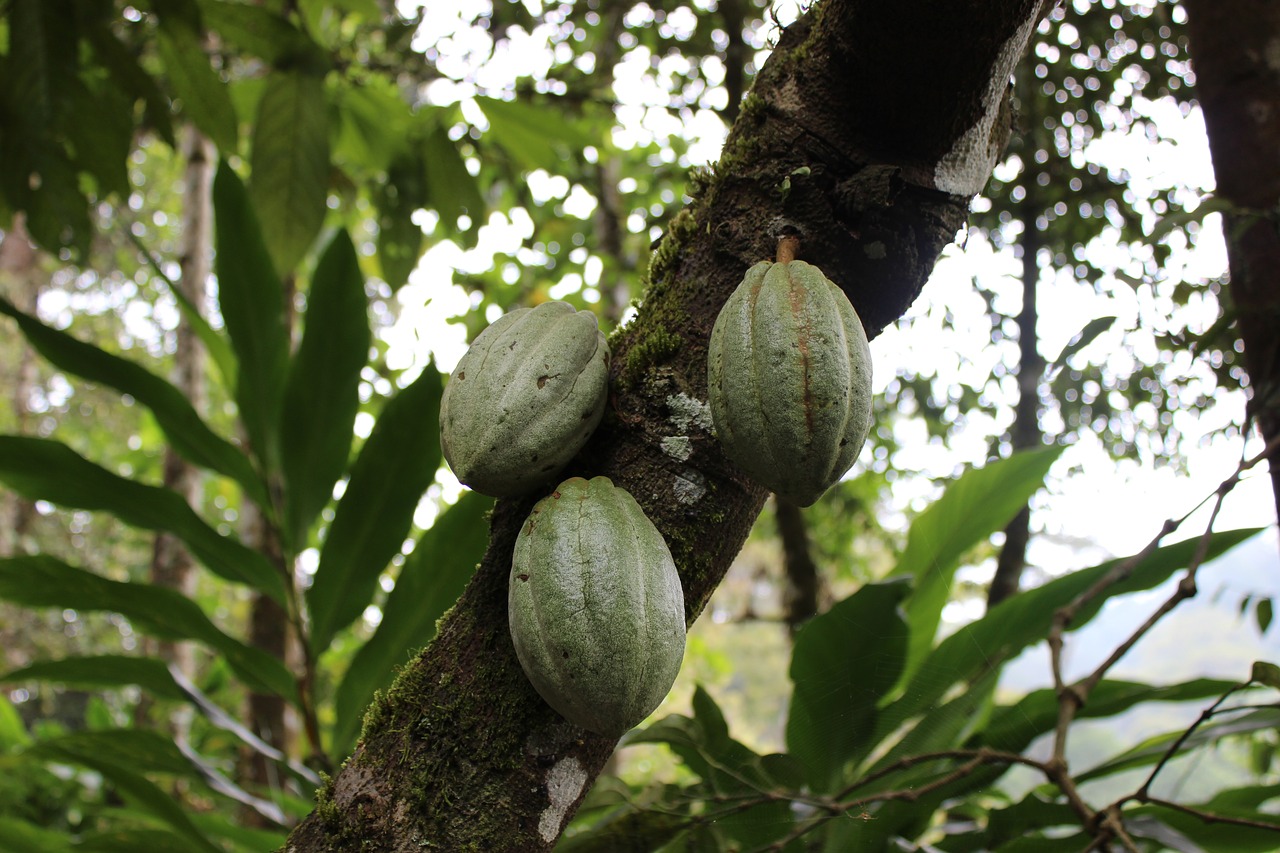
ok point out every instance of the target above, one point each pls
(867, 133)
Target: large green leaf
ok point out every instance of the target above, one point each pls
(43, 581)
(394, 468)
(251, 299)
(1217, 836)
(150, 674)
(132, 840)
(261, 32)
(140, 750)
(451, 188)
(430, 581)
(289, 181)
(203, 94)
(979, 503)
(1024, 619)
(532, 136)
(185, 430)
(43, 469)
(21, 836)
(400, 239)
(1013, 727)
(136, 788)
(843, 663)
(1154, 748)
(322, 393)
(13, 732)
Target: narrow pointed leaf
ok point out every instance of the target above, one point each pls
(979, 503)
(432, 578)
(203, 94)
(132, 840)
(1082, 339)
(534, 137)
(1217, 836)
(150, 674)
(843, 662)
(400, 239)
(260, 31)
(451, 189)
(42, 581)
(289, 181)
(322, 393)
(139, 749)
(394, 468)
(183, 427)
(1024, 620)
(251, 299)
(42, 469)
(140, 790)
(1013, 727)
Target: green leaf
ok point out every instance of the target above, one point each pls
(189, 435)
(150, 674)
(322, 392)
(400, 239)
(452, 189)
(123, 68)
(533, 136)
(21, 836)
(251, 299)
(1014, 727)
(138, 749)
(1217, 836)
(1024, 619)
(1080, 340)
(43, 469)
(1151, 750)
(42, 581)
(132, 840)
(13, 732)
(260, 32)
(432, 578)
(138, 789)
(289, 178)
(1265, 673)
(1262, 613)
(843, 662)
(979, 503)
(394, 468)
(204, 96)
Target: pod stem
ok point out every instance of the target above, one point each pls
(787, 247)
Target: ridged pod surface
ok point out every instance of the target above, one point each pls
(596, 607)
(524, 399)
(789, 380)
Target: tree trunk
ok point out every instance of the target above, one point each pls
(866, 148)
(1025, 433)
(1235, 48)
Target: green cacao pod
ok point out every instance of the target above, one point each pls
(789, 380)
(524, 399)
(595, 606)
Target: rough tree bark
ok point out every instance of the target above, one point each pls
(1235, 48)
(867, 132)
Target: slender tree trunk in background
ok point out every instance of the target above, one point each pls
(20, 283)
(1025, 432)
(1235, 51)
(172, 566)
(800, 595)
(270, 631)
(882, 142)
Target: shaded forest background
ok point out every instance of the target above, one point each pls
(233, 233)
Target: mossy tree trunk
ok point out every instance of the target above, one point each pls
(867, 132)
(1236, 51)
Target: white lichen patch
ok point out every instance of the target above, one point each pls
(689, 487)
(564, 782)
(965, 168)
(688, 412)
(678, 447)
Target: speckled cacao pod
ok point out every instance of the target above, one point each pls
(596, 607)
(789, 380)
(524, 399)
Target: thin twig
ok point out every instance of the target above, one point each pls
(1211, 817)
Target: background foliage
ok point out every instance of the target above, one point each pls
(364, 155)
